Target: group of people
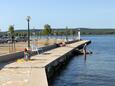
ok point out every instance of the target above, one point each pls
(61, 44)
(27, 52)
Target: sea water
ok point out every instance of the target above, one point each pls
(99, 68)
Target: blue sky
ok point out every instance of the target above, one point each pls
(57, 13)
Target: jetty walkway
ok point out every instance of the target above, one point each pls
(36, 71)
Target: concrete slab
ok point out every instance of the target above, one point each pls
(14, 77)
(38, 77)
(32, 73)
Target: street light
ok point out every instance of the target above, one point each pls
(28, 20)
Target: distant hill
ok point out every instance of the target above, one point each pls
(97, 31)
(84, 31)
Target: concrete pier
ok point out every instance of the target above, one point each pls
(40, 69)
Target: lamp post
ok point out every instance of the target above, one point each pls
(28, 20)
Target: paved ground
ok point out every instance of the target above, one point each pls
(32, 73)
(19, 46)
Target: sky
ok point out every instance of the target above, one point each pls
(57, 13)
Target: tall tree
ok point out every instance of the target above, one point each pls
(47, 29)
(12, 35)
(11, 32)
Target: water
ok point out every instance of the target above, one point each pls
(99, 69)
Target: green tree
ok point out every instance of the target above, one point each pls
(73, 33)
(12, 35)
(20, 34)
(11, 32)
(16, 34)
(47, 29)
(25, 34)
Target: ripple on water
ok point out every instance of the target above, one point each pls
(97, 71)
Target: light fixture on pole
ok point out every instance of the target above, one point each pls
(28, 20)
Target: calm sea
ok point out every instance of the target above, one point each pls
(98, 70)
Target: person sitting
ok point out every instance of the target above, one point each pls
(62, 44)
(26, 54)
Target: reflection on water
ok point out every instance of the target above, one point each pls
(99, 68)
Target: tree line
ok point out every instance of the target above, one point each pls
(47, 31)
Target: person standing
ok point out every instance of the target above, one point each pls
(84, 51)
